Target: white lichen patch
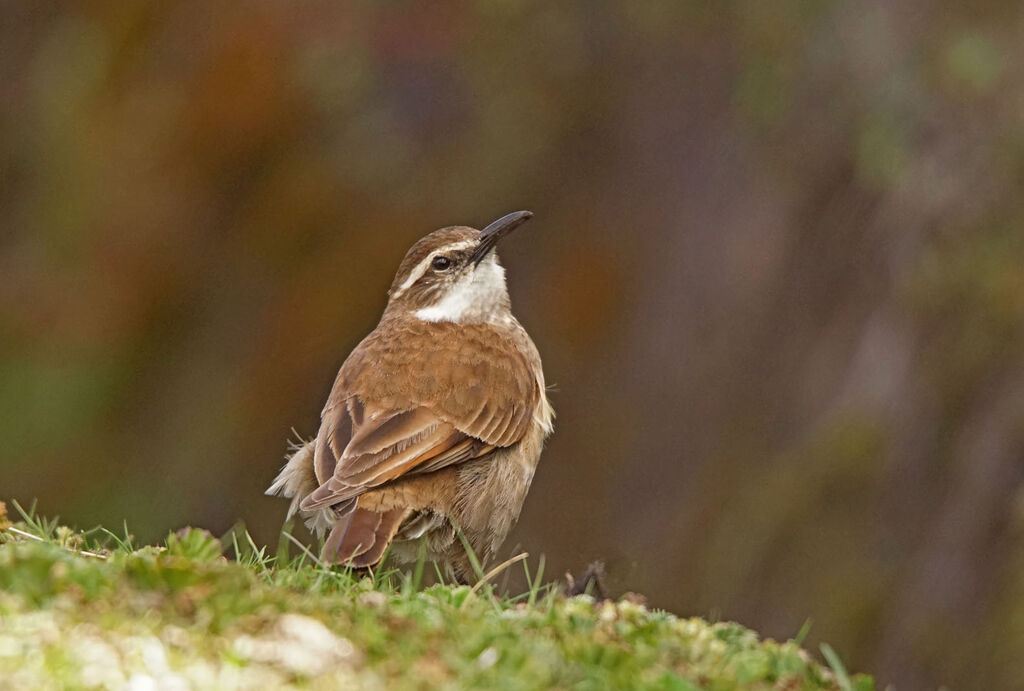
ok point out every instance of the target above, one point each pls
(46, 649)
(301, 645)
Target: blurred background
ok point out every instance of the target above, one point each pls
(776, 273)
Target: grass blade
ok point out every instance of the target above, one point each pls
(842, 678)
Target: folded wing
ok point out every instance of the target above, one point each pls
(388, 445)
(402, 411)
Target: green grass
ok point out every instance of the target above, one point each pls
(93, 610)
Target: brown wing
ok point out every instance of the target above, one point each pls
(445, 397)
(390, 445)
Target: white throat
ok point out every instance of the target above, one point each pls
(476, 298)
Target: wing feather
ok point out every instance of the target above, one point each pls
(412, 410)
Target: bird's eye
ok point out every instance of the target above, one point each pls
(441, 263)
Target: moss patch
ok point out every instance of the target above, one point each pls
(77, 610)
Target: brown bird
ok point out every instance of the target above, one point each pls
(436, 421)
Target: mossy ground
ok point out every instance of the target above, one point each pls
(90, 610)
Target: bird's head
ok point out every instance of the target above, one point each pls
(453, 275)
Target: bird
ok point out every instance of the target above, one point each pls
(433, 429)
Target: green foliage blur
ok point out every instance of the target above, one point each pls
(776, 273)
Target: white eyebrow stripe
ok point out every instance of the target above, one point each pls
(416, 274)
(421, 268)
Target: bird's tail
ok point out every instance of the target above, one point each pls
(360, 539)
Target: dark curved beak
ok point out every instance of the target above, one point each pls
(493, 233)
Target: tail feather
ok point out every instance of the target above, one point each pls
(390, 521)
(361, 539)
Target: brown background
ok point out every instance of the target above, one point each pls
(775, 273)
